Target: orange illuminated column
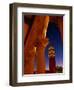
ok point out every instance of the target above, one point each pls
(26, 28)
(29, 51)
(29, 60)
(40, 55)
(42, 42)
(52, 62)
(60, 25)
(36, 38)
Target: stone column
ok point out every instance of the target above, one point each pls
(37, 31)
(42, 42)
(40, 55)
(29, 60)
(60, 25)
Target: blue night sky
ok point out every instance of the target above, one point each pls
(55, 40)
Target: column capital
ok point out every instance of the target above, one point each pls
(41, 42)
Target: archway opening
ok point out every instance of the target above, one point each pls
(54, 36)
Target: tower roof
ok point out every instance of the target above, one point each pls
(51, 51)
(51, 48)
